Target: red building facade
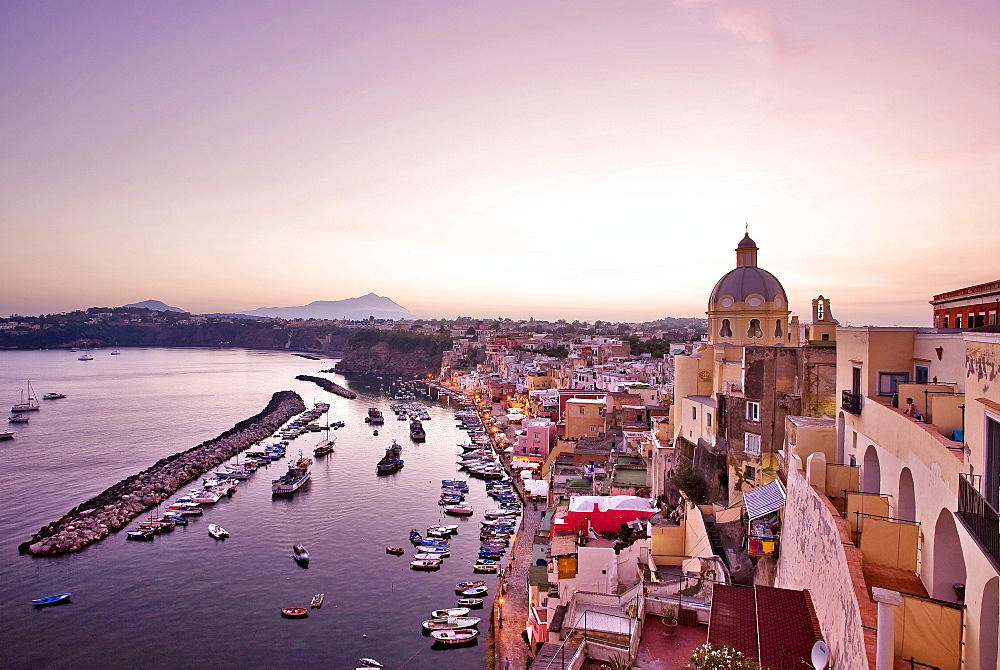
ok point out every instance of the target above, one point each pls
(970, 307)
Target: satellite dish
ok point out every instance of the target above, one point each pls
(820, 655)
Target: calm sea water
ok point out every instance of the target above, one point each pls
(186, 600)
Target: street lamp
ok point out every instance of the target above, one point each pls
(500, 610)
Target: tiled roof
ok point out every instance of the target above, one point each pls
(778, 627)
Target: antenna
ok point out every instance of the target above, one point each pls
(820, 655)
(747, 228)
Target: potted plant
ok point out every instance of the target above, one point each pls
(669, 621)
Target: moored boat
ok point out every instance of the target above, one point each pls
(317, 600)
(425, 564)
(455, 636)
(450, 623)
(294, 612)
(476, 591)
(53, 396)
(396, 551)
(297, 475)
(473, 603)
(451, 611)
(7, 434)
(18, 418)
(28, 404)
(462, 586)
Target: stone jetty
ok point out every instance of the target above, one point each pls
(328, 385)
(117, 505)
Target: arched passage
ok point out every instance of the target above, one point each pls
(949, 561)
(871, 472)
(906, 505)
(989, 624)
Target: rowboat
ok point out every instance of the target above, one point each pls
(471, 602)
(294, 612)
(462, 586)
(300, 554)
(398, 551)
(458, 636)
(425, 564)
(370, 663)
(451, 611)
(475, 591)
(317, 600)
(450, 623)
(52, 600)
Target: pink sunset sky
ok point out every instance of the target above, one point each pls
(578, 160)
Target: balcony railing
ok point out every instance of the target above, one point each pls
(851, 402)
(982, 520)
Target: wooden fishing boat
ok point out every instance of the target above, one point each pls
(294, 612)
(472, 603)
(461, 586)
(396, 551)
(451, 611)
(450, 623)
(300, 554)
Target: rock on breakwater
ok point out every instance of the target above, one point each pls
(328, 385)
(116, 506)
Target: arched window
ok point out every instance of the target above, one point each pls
(754, 329)
(726, 330)
(777, 327)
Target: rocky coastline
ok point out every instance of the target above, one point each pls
(328, 385)
(116, 506)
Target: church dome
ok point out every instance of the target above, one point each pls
(741, 283)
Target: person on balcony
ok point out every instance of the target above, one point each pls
(912, 411)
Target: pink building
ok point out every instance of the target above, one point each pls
(601, 513)
(535, 438)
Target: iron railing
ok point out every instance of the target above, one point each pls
(979, 516)
(850, 402)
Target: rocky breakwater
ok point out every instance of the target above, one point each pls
(116, 506)
(328, 385)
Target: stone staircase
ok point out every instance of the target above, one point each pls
(554, 656)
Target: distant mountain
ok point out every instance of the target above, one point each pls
(354, 309)
(155, 305)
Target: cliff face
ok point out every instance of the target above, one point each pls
(393, 353)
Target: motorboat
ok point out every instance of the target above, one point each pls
(451, 611)
(142, 535)
(297, 475)
(18, 418)
(217, 531)
(476, 591)
(462, 586)
(451, 623)
(459, 510)
(7, 434)
(300, 554)
(53, 396)
(370, 663)
(455, 636)
(473, 603)
(51, 600)
(317, 600)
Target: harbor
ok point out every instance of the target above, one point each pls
(345, 515)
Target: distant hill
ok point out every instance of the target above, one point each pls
(355, 309)
(155, 305)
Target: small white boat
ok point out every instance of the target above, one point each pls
(217, 531)
(451, 623)
(7, 434)
(370, 663)
(53, 396)
(459, 510)
(425, 564)
(457, 636)
(18, 418)
(451, 611)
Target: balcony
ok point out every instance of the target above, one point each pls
(979, 516)
(851, 402)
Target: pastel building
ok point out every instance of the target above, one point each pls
(603, 513)
(535, 438)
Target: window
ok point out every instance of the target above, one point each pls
(819, 311)
(825, 337)
(583, 410)
(920, 374)
(945, 320)
(751, 444)
(726, 330)
(958, 321)
(753, 411)
(777, 327)
(694, 412)
(888, 382)
(750, 473)
(708, 419)
(754, 329)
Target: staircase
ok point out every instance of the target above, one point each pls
(554, 656)
(716, 540)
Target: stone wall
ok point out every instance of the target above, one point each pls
(816, 555)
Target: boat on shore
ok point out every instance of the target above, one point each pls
(297, 475)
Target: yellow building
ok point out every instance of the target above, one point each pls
(585, 417)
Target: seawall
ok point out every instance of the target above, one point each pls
(116, 506)
(328, 385)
